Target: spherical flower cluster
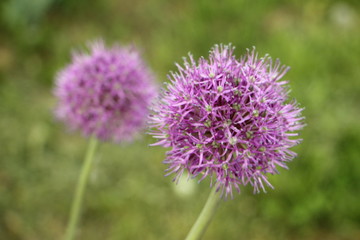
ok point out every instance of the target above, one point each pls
(106, 93)
(227, 118)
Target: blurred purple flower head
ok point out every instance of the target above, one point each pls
(105, 93)
(227, 118)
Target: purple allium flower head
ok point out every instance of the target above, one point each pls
(105, 93)
(227, 118)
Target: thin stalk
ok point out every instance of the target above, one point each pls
(80, 189)
(205, 217)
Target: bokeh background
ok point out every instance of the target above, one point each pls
(127, 196)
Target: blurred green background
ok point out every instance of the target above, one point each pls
(127, 196)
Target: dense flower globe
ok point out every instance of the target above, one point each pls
(227, 118)
(106, 93)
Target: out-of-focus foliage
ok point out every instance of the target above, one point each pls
(128, 197)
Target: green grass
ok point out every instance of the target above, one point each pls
(128, 197)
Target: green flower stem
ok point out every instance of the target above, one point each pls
(80, 189)
(204, 219)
